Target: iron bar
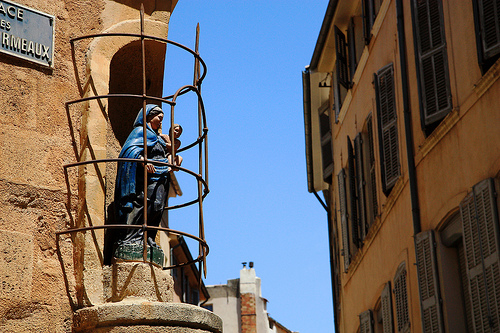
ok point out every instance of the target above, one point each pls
(145, 141)
(163, 40)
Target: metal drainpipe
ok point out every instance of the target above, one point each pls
(412, 175)
(306, 88)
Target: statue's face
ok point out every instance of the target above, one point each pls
(155, 123)
(177, 131)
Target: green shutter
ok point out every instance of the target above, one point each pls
(481, 244)
(386, 308)
(428, 282)
(388, 127)
(343, 219)
(432, 61)
(401, 300)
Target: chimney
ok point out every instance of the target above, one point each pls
(248, 291)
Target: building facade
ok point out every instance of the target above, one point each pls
(240, 305)
(401, 115)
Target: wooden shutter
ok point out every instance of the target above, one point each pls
(368, 19)
(388, 127)
(351, 36)
(343, 219)
(360, 185)
(432, 61)
(428, 283)
(401, 299)
(371, 161)
(386, 308)
(353, 213)
(488, 12)
(326, 142)
(341, 62)
(366, 322)
(337, 100)
(481, 244)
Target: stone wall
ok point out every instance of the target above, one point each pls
(35, 142)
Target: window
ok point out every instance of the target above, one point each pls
(428, 283)
(487, 22)
(341, 79)
(387, 127)
(432, 62)
(326, 141)
(365, 178)
(370, 11)
(471, 252)
(361, 186)
(456, 303)
(401, 299)
(173, 261)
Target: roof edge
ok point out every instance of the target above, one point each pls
(323, 33)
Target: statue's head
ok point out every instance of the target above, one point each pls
(177, 130)
(152, 110)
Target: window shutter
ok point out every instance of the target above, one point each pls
(360, 185)
(401, 299)
(373, 181)
(386, 307)
(368, 19)
(432, 61)
(352, 48)
(353, 216)
(366, 322)
(489, 27)
(337, 100)
(388, 130)
(343, 219)
(481, 244)
(326, 142)
(428, 283)
(341, 62)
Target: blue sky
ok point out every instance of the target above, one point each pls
(258, 208)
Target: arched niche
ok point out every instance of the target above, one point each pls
(126, 77)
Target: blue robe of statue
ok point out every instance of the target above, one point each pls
(129, 190)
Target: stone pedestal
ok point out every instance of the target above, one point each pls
(138, 298)
(145, 317)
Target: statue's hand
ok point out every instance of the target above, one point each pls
(150, 168)
(177, 161)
